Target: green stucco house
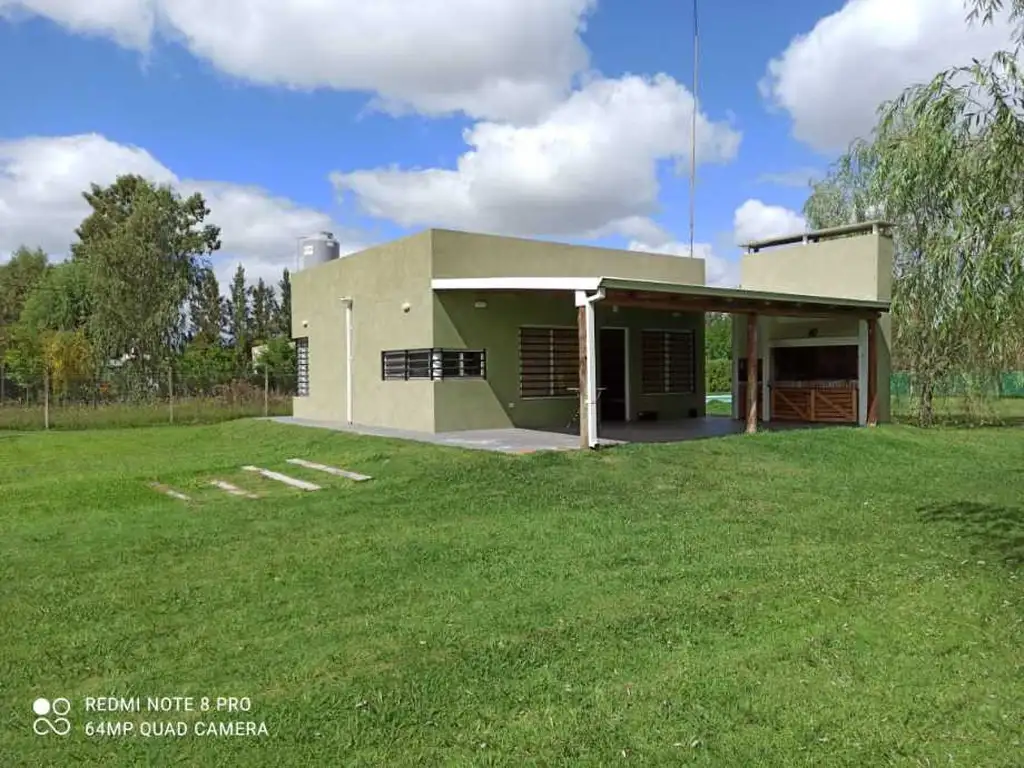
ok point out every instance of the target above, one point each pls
(446, 331)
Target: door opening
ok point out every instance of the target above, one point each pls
(613, 368)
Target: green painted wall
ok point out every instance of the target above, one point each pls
(381, 281)
(496, 402)
(465, 254)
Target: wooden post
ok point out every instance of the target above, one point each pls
(266, 389)
(751, 373)
(581, 322)
(170, 390)
(46, 397)
(872, 418)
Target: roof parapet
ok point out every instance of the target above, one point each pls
(876, 227)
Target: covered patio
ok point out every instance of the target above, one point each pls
(516, 440)
(753, 394)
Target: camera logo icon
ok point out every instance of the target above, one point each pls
(51, 716)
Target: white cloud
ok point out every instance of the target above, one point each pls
(717, 271)
(41, 204)
(588, 166)
(832, 79)
(496, 59)
(755, 220)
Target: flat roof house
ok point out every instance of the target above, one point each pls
(445, 331)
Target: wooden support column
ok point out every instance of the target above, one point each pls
(581, 322)
(872, 418)
(751, 373)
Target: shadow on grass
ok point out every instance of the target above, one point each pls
(996, 528)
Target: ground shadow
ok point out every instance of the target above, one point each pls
(997, 528)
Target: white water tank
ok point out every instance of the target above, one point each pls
(318, 249)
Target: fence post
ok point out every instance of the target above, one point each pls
(170, 391)
(266, 390)
(46, 397)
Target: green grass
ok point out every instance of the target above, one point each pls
(718, 408)
(950, 410)
(198, 410)
(822, 598)
(953, 411)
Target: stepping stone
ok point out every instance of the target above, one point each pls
(329, 470)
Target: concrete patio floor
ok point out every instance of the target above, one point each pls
(513, 440)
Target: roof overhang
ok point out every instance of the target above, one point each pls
(655, 294)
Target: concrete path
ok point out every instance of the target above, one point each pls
(502, 440)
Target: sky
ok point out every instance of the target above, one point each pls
(567, 120)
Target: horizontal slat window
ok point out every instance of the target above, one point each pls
(302, 367)
(435, 364)
(669, 363)
(549, 362)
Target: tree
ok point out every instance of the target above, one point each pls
(240, 320)
(284, 311)
(142, 246)
(202, 367)
(844, 195)
(207, 311)
(66, 355)
(944, 164)
(278, 361)
(718, 336)
(18, 277)
(60, 301)
(23, 357)
(264, 312)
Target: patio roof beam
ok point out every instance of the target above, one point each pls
(736, 306)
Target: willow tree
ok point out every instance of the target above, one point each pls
(944, 164)
(844, 196)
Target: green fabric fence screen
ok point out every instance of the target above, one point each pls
(1008, 385)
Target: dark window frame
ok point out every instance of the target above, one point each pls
(548, 362)
(668, 360)
(301, 366)
(433, 364)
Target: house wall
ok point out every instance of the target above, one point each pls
(466, 255)
(495, 402)
(856, 267)
(379, 280)
(383, 278)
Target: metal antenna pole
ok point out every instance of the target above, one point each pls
(693, 132)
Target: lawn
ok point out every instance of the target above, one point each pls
(823, 598)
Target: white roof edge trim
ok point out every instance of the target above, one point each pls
(516, 284)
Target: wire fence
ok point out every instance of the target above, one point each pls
(171, 396)
(129, 399)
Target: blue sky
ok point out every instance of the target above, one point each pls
(276, 115)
